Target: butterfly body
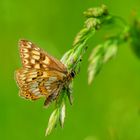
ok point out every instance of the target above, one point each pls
(41, 74)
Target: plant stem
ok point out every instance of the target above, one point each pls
(96, 17)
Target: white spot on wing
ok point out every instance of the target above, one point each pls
(46, 61)
(29, 45)
(47, 84)
(37, 66)
(45, 74)
(37, 49)
(37, 93)
(28, 66)
(22, 75)
(44, 66)
(24, 50)
(26, 55)
(52, 78)
(47, 87)
(33, 76)
(33, 61)
(49, 90)
(29, 80)
(36, 52)
(37, 57)
(34, 85)
(22, 78)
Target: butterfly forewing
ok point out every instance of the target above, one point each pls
(41, 74)
(34, 57)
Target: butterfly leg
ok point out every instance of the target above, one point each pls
(49, 99)
(70, 97)
(69, 93)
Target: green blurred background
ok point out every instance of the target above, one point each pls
(109, 109)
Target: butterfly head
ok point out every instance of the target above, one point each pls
(72, 74)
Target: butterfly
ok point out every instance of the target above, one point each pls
(41, 74)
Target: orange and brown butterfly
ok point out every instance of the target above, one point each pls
(41, 74)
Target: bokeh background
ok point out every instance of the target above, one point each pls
(109, 109)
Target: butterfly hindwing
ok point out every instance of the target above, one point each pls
(34, 83)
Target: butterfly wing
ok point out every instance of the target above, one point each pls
(41, 75)
(34, 83)
(34, 57)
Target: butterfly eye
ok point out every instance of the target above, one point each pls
(72, 74)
